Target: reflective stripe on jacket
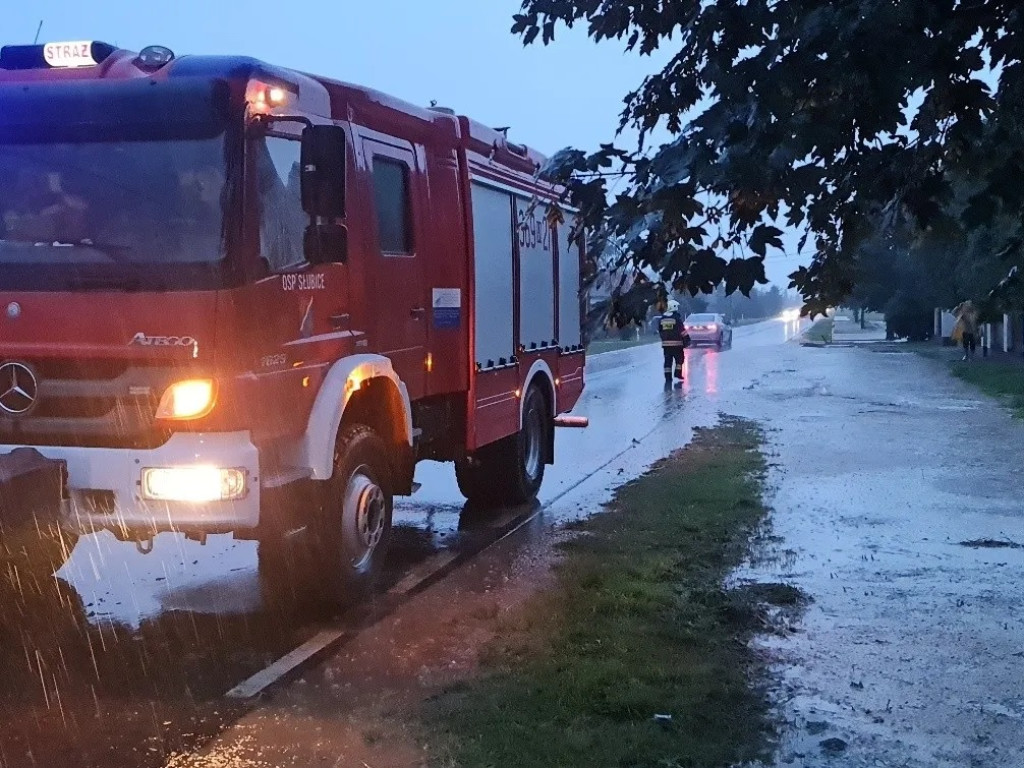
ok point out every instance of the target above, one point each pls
(671, 330)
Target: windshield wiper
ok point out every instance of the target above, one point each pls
(113, 251)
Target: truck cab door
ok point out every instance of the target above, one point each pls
(399, 312)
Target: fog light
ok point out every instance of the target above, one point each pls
(193, 484)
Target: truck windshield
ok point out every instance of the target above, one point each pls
(70, 207)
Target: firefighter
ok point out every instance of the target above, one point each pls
(674, 339)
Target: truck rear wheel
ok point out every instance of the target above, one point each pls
(511, 471)
(338, 558)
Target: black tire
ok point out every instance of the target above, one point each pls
(337, 559)
(526, 452)
(511, 471)
(468, 478)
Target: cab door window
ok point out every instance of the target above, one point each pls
(282, 220)
(394, 206)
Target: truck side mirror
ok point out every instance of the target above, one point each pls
(326, 244)
(323, 160)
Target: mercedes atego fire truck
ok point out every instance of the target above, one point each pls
(236, 298)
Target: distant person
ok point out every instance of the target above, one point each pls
(967, 321)
(674, 341)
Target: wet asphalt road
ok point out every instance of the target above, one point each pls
(126, 657)
(912, 653)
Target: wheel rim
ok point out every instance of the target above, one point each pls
(366, 507)
(534, 428)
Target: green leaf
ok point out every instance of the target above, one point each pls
(797, 111)
(764, 236)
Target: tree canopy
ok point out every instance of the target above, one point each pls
(906, 270)
(835, 118)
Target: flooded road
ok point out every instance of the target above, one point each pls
(899, 510)
(126, 657)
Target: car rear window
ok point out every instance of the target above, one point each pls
(701, 319)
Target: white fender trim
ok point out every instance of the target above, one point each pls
(343, 380)
(539, 367)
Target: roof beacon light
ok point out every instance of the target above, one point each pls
(69, 55)
(154, 56)
(264, 97)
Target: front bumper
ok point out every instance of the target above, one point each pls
(105, 486)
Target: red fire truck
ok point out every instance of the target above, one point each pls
(236, 298)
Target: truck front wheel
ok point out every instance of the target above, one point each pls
(355, 519)
(338, 557)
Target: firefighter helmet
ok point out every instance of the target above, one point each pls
(673, 305)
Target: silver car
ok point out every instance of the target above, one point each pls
(708, 329)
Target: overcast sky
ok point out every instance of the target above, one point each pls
(459, 52)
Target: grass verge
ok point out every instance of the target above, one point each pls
(638, 626)
(819, 333)
(1001, 380)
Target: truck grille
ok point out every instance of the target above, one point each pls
(94, 403)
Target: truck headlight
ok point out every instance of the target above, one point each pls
(189, 399)
(193, 484)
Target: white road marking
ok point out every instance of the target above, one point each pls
(325, 639)
(427, 569)
(270, 675)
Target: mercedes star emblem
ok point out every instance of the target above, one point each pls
(14, 310)
(19, 389)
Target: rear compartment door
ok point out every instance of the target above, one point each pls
(398, 308)
(497, 377)
(537, 301)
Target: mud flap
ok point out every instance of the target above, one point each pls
(32, 491)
